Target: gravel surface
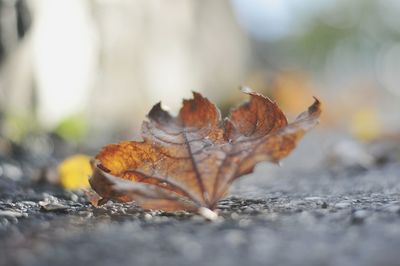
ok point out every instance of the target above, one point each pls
(327, 216)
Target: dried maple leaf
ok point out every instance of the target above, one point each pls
(188, 162)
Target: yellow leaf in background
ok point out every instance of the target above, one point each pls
(365, 124)
(74, 172)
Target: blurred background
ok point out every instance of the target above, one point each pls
(77, 74)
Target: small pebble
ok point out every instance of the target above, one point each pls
(359, 216)
(74, 197)
(393, 208)
(148, 216)
(11, 171)
(342, 205)
(52, 206)
(313, 198)
(234, 216)
(12, 214)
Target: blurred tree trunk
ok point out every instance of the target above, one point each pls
(115, 59)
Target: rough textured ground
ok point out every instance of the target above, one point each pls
(332, 215)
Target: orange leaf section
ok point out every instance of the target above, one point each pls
(188, 162)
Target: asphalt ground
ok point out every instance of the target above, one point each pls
(319, 208)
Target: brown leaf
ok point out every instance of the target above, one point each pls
(188, 162)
